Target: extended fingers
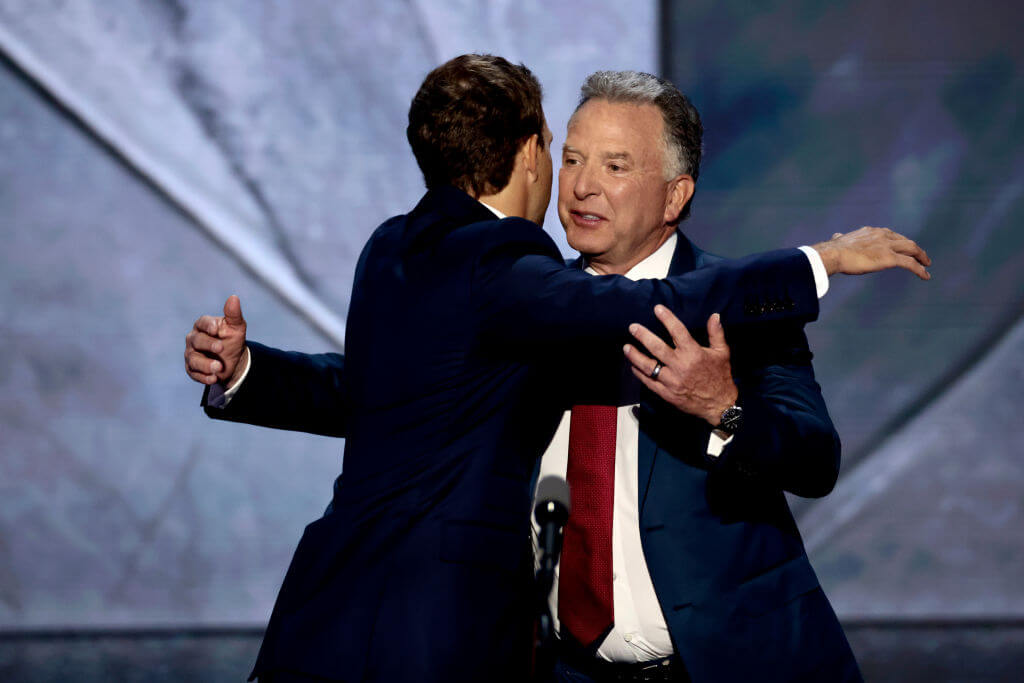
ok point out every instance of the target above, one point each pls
(652, 342)
(716, 335)
(677, 330)
(913, 265)
(639, 360)
(905, 245)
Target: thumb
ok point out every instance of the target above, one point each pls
(716, 335)
(233, 312)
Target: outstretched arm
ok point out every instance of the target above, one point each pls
(270, 388)
(528, 299)
(290, 390)
(869, 250)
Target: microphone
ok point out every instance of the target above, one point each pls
(551, 513)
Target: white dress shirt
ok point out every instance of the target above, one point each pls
(639, 632)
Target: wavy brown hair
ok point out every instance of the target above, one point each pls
(469, 119)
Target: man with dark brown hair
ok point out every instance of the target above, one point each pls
(499, 108)
(467, 337)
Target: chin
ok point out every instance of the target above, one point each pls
(583, 242)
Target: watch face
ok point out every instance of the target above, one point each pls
(732, 418)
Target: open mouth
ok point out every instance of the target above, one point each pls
(586, 218)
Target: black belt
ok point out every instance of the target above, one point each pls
(667, 669)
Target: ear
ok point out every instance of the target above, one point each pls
(680, 191)
(530, 155)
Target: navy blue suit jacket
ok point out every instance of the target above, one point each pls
(738, 594)
(467, 337)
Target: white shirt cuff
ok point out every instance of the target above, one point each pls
(717, 444)
(219, 397)
(818, 268)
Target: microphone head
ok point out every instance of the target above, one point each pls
(552, 500)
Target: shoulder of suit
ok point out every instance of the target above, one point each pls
(512, 232)
(704, 258)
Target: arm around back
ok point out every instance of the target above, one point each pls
(290, 390)
(528, 299)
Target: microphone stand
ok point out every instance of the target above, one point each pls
(551, 516)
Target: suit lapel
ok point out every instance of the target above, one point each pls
(684, 259)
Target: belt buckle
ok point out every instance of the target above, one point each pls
(656, 671)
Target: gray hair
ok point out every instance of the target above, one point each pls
(683, 133)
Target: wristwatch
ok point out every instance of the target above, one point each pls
(732, 420)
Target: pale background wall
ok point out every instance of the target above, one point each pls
(158, 156)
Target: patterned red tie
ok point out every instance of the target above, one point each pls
(585, 606)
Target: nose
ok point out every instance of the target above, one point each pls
(584, 183)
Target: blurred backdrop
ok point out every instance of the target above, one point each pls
(156, 157)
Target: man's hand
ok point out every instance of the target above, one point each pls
(695, 379)
(215, 346)
(869, 250)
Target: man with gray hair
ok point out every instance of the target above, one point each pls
(681, 559)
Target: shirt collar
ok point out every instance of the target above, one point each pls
(654, 266)
(497, 213)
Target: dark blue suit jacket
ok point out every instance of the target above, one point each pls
(728, 565)
(467, 337)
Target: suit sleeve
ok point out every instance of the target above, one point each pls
(528, 299)
(787, 439)
(290, 390)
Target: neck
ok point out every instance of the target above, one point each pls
(510, 200)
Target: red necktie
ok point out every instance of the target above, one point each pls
(585, 606)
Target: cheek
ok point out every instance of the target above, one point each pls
(564, 184)
(624, 200)
(648, 205)
(561, 203)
